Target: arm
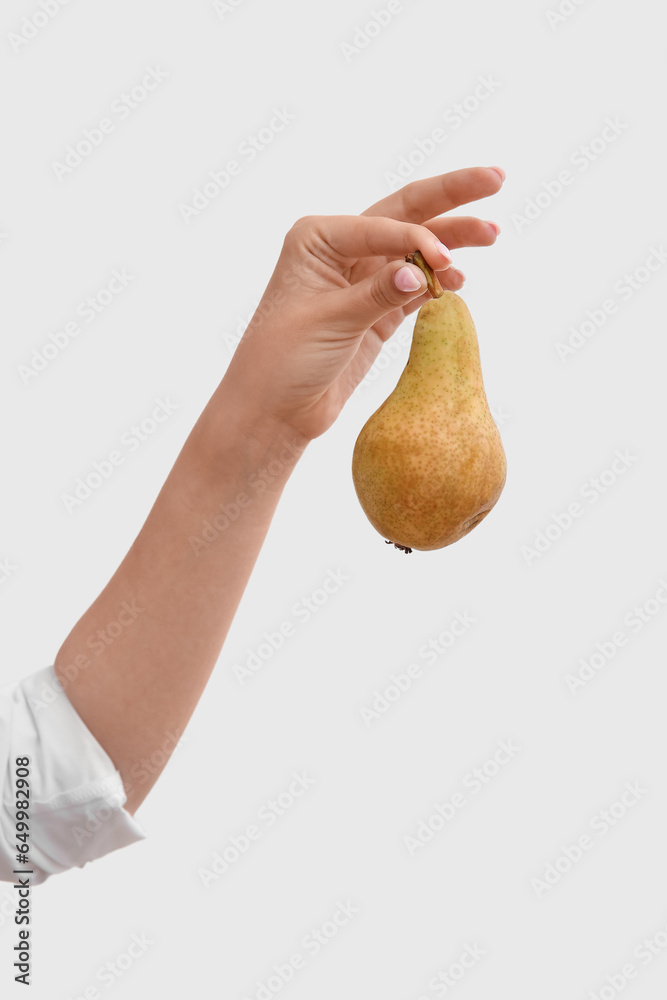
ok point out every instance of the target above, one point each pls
(339, 290)
(179, 585)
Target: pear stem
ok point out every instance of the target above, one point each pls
(434, 286)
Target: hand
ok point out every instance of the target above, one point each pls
(340, 289)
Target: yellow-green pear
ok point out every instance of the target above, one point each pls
(429, 464)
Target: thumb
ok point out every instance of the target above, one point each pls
(394, 285)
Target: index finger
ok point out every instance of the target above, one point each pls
(356, 236)
(422, 200)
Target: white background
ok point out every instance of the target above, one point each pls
(536, 618)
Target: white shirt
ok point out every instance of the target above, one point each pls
(76, 794)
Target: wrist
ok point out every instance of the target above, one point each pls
(233, 422)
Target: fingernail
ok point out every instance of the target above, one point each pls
(494, 225)
(406, 280)
(459, 274)
(500, 171)
(443, 251)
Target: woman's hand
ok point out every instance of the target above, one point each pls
(340, 289)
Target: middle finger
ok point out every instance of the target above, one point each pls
(463, 231)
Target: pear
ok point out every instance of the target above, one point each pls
(429, 464)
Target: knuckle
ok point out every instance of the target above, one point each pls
(306, 222)
(311, 234)
(418, 237)
(409, 195)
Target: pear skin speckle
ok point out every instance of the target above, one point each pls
(429, 464)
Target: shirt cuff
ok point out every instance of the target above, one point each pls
(76, 793)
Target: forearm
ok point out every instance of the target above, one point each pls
(182, 582)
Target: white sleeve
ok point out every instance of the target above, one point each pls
(76, 793)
